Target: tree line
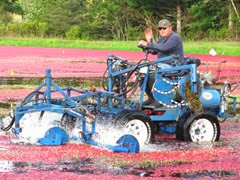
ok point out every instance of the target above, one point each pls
(119, 20)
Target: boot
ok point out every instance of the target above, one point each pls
(149, 101)
(155, 104)
(150, 98)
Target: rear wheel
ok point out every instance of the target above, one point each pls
(136, 123)
(180, 125)
(201, 128)
(68, 122)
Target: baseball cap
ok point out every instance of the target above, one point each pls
(164, 23)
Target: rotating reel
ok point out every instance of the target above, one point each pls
(170, 93)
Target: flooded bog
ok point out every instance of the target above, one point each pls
(167, 158)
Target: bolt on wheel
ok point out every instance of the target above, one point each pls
(202, 130)
(136, 123)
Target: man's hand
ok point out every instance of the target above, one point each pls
(142, 42)
(148, 34)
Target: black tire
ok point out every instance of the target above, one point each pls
(180, 124)
(121, 115)
(68, 122)
(136, 123)
(201, 127)
(9, 125)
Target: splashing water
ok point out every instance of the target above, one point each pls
(34, 128)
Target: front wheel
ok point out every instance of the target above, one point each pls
(8, 122)
(201, 128)
(136, 123)
(68, 122)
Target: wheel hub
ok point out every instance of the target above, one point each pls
(202, 130)
(138, 129)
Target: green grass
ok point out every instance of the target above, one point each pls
(230, 48)
(62, 43)
(222, 47)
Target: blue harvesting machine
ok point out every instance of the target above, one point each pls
(188, 104)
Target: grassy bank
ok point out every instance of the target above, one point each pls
(199, 47)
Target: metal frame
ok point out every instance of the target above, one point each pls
(70, 104)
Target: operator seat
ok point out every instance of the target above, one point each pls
(188, 60)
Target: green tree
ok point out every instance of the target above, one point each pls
(234, 18)
(60, 15)
(126, 20)
(152, 11)
(108, 19)
(209, 19)
(7, 9)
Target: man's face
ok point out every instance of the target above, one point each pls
(165, 32)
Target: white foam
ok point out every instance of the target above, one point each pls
(34, 128)
(107, 134)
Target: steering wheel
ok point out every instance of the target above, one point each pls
(148, 49)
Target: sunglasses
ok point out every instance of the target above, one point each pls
(160, 28)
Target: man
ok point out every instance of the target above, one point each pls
(170, 43)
